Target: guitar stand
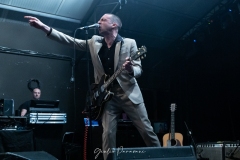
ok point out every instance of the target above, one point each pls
(190, 135)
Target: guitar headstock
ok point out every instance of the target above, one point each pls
(141, 53)
(173, 107)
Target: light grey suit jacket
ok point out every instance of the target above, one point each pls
(128, 47)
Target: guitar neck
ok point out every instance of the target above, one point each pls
(111, 79)
(172, 125)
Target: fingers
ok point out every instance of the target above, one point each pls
(36, 23)
(127, 63)
(128, 66)
(30, 17)
(32, 20)
(128, 59)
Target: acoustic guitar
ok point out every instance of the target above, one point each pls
(172, 138)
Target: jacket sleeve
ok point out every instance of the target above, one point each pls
(67, 40)
(137, 67)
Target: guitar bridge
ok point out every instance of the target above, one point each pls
(108, 95)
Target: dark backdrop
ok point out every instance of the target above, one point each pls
(201, 75)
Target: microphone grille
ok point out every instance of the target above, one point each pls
(96, 25)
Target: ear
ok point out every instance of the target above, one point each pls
(114, 25)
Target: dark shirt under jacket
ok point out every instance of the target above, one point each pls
(107, 56)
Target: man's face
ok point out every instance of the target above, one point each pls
(36, 93)
(106, 24)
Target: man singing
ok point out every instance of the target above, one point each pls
(109, 52)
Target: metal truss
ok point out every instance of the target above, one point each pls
(205, 19)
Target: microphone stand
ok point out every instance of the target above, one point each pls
(190, 135)
(89, 88)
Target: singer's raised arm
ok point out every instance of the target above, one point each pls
(36, 23)
(55, 34)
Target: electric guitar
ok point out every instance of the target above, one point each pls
(100, 93)
(172, 139)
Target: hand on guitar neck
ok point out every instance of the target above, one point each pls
(173, 138)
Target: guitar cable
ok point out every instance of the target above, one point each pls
(85, 140)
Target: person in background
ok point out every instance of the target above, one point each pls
(36, 94)
(24, 108)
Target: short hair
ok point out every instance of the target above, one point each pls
(116, 19)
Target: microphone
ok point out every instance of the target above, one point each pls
(93, 26)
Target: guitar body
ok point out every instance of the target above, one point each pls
(98, 98)
(178, 141)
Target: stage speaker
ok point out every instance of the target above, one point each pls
(153, 153)
(35, 155)
(218, 150)
(128, 135)
(7, 107)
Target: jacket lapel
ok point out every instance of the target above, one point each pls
(98, 62)
(117, 52)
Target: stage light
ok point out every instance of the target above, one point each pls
(210, 21)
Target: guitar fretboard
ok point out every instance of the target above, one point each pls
(172, 125)
(111, 79)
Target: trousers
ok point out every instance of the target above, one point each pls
(137, 114)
